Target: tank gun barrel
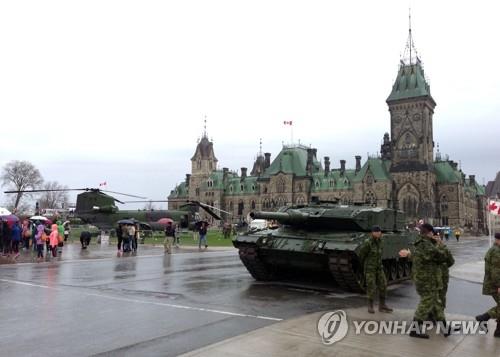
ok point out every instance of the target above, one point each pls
(288, 217)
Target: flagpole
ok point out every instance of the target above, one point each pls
(490, 228)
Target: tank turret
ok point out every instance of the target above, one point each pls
(337, 218)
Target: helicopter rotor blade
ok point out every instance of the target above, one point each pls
(124, 194)
(206, 208)
(42, 190)
(152, 201)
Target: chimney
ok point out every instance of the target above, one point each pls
(472, 179)
(327, 165)
(358, 163)
(309, 163)
(188, 178)
(342, 167)
(268, 160)
(243, 173)
(225, 171)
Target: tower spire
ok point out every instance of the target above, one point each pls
(260, 147)
(410, 55)
(205, 127)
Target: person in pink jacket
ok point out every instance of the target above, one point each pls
(54, 239)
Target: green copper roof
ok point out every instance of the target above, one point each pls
(333, 181)
(445, 172)
(291, 160)
(379, 169)
(235, 187)
(410, 83)
(180, 191)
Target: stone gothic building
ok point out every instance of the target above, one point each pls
(407, 175)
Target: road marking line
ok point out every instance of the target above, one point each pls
(175, 306)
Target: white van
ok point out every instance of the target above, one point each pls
(257, 224)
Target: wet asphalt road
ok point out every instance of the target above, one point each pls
(155, 305)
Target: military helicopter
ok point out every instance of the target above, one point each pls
(97, 207)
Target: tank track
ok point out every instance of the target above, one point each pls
(344, 269)
(341, 266)
(255, 266)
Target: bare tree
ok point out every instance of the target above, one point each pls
(53, 199)
(149, 206)
(20, 175)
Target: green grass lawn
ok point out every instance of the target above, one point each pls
(214, 238)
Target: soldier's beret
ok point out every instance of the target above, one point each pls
(376, 229)
(497, 235)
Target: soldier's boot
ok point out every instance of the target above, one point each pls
(382, 307)
(420, 333)
(483, 317)
(371, 310)
(497, 330)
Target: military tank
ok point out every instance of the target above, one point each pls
(324, 238)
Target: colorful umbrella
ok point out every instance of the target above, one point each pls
(10, 219)
(165, 221)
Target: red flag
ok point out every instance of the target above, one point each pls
(494, 207)
(287, 122)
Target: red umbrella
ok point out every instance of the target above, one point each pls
(165, 221)
(10, 219)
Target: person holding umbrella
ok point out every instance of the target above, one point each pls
(202, 231)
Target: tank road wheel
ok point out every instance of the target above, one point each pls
(407, 269)
(401, 269)
(346, 271)
(393, 266)
(387, 271)
(255, 266)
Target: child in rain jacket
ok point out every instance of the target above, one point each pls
(54, 239)
(39, 242)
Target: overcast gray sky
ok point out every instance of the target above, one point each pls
(117, 90)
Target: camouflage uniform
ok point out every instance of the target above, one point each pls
(427, 260)
(445, 273)
(371, 258)
(491, 281)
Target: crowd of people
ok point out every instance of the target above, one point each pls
(39, 236)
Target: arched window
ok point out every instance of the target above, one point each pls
(370, 198)
(444, 210)
(199, 164)
(316, 183)
(332, 183)
(300, 200)
(253, 205)
(280, 185)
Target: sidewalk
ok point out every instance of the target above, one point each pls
(299, 337)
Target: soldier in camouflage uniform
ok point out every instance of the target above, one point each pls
(371, 258)
(427, 261)
(445, 269)
(491, 283)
